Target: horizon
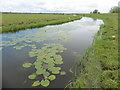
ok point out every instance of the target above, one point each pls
(57, 6)
(50, 12)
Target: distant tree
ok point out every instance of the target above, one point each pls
(95, 11)
(98, 12)
(115, 9)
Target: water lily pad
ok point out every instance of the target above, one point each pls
(45, 83)
(46, 74)
(27, 65)
(52, 77)
(33, 76)
(37, 67)
(55, 72)
(28, 41)
(62, 73)
(47, 58)
(58, 68)
(58, 62)
(45, 66)
(51, 64)
(18, 47)
(38, 63)
(34, 47)
(36, 83)
(32, 54)
(51, 68)
(40, 71)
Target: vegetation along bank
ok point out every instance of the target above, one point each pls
(98, 68)
(12, 22)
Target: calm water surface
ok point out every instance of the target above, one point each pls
(79, 35)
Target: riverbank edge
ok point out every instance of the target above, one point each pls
(95, 72)
(15, 28)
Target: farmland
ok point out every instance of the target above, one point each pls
(12, 22)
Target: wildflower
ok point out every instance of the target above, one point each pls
(113, 36)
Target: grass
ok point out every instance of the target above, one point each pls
(12, 22)
(99, 66)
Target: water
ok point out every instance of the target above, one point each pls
(76, 36)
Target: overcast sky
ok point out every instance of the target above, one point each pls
(54, 6)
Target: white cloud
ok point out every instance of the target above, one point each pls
(80, 6)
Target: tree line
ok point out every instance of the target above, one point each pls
(114, 9)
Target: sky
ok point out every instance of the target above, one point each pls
(57, 6)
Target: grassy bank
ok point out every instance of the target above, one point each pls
(12, 22)
(99, 66)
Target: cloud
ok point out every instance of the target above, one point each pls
(76, 6)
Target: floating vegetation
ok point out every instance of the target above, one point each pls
(36, 83)
(7, 43)
(18, 47)
(62, 73)
(33, 76)
(45, 64)
(24, 45)
(77, 54)
(47, 57)
(38, 36)
(24, 40)
(27, 65)
(45, 83)
(62, 36)
(52, 77)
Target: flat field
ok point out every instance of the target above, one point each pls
(12, 22)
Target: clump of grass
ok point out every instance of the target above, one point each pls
(99, 66)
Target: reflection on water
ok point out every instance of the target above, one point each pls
(75, 36)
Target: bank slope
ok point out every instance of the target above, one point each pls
(99, 66)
